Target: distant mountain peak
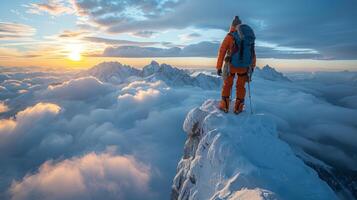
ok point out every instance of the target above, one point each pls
(269, 73)
(113, 72)
(154, 63)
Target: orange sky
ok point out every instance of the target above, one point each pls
(191, 62)
(56, 33)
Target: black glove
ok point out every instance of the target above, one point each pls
(219, 72)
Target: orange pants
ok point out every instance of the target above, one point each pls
(240, 83)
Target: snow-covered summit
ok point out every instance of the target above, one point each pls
(113, 72)
(269, 73)
(240, 157)
(150, 69)
(167, 73)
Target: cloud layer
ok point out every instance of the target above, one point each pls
(115, 115)
(80, 115)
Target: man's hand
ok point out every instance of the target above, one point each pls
(219, 72)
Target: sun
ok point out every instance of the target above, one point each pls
(75, 56)
(74, 52)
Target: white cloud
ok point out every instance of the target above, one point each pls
(3, 107)
(37, 113)
(53, 7)
(15, 130)
(189, 36)
(350, 101)
(144, 118)
(103, 176)
(141, 95)
(6, 126)
(83, 88)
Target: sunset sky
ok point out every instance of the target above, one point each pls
(291, 35)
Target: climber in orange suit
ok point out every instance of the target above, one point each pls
(241, 60)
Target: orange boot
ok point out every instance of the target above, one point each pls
(224, 104)
(238, 106)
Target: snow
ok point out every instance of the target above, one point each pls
(113, 72)
(241, 157)
(270, 73)
(150, 69)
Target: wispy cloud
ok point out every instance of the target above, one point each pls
(10, 31)
(53, 7)
(72, 34)
(118, 42)
(145, 34)
(189, 36)
(202, 49)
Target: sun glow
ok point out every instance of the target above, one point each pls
(74, 52)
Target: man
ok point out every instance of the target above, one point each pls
(237, 49)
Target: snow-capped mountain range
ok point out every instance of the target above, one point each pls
(117, 73)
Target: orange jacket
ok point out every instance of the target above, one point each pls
(226, 45)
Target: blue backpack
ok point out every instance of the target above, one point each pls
(243, 48)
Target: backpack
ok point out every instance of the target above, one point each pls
(243, 49)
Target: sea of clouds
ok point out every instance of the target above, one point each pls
(76, 135)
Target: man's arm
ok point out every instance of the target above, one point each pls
(223, 50)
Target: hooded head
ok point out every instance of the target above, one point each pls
(236, 21)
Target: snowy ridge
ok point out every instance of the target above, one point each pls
(178, 77)
(113, 72)
(117, 73)
(240, 157)
(270, 73)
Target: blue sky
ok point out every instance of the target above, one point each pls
(287, 31)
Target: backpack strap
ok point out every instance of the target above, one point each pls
(232, 35)
(241, 37)
(240, 34)
(252, 51)
(235, 46)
